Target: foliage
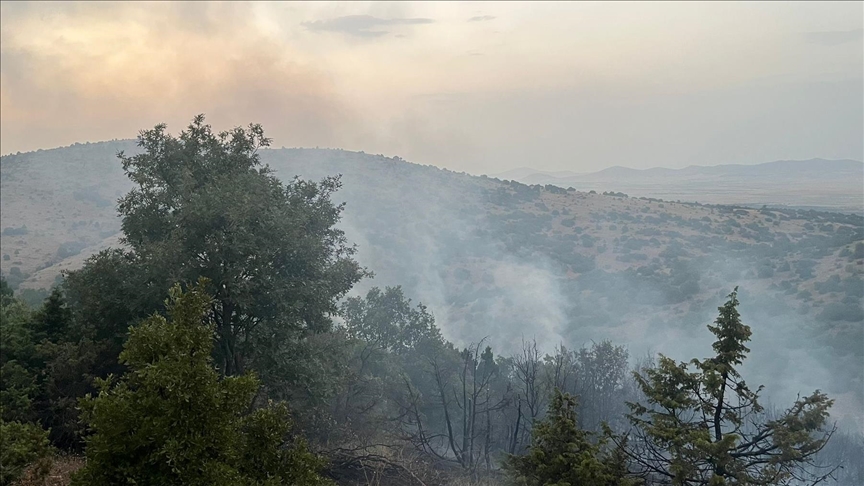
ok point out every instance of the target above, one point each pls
(707, 426)
(17, 360)
(51, 322)
(386, 319)
(6, 292)
(171, 419)
(350, 381)
(23, 445)
(43, 369)
(204, 206)
(386, 384)
(561, 454)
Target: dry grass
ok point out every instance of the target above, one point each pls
(59, 473)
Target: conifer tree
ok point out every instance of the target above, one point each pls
(561, 454)
(703, 425)
(171, 419)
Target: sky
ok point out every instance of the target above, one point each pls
(480, 87)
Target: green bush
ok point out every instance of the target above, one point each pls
(22, 445)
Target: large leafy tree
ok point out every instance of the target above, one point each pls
(703, 425)
(171, 419)
(386, 319)
(204, 206)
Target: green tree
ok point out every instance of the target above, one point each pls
(6, 292)
(52, 320)
(204, 206)
(562, 454)
(387, 320)
(18, 361)
(172, 420)
(706, 426)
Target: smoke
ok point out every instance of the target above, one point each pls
(437, 234)
(434, 238)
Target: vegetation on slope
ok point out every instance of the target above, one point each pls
(371, 381)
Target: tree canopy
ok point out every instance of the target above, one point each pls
(203, 205)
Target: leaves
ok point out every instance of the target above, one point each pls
(204, 206)
(170, 419)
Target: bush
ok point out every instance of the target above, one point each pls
(23, 445)
(19, 231)
(70, 248)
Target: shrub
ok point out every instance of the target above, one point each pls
(19, 231)
(23, 445)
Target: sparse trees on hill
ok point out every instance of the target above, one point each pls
(190, 399)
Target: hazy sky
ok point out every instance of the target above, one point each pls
(474, 86)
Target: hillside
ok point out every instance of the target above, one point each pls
(816, 183)
(506, 260)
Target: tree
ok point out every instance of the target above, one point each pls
(6, 292)
(52, 321)
(561, 454)
(600, 384)
(204, 206)
(172, 420)
(531, 389)
(386, 320)
(706, 426)
(382, 333)
(22, 444)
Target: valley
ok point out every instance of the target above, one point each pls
(491, 257)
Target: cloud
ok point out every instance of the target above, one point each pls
(106, 73)
(835, 38)
(73, 72)
(481, 18)
(361, 25)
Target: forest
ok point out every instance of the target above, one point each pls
(237, 333)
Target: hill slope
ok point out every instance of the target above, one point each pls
(510, 261)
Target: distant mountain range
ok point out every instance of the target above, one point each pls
(816, 183)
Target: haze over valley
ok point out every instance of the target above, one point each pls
(489, 256)
(831, 185)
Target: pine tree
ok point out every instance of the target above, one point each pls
(703, 425)
(561, 454)
(171, 419)
(52, 321)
